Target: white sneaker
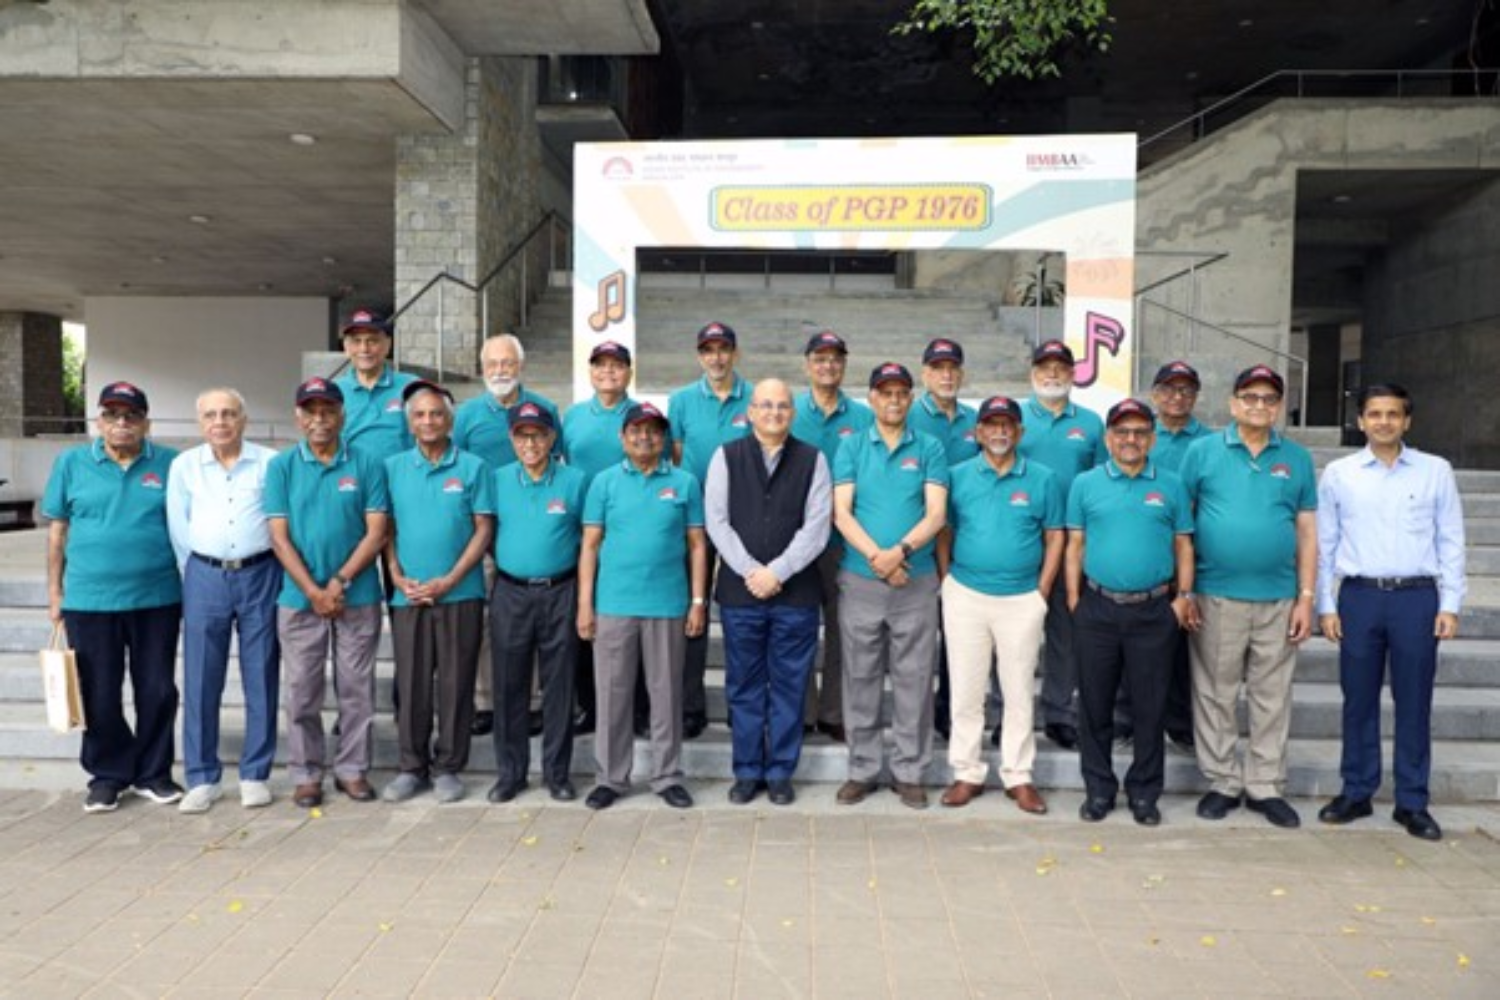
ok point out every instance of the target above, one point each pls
(255, 794)
(200, 798)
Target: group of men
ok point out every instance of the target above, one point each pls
(1163, 568)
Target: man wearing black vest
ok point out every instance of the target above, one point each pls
(767, 505)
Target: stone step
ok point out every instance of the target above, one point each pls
(1463, 771)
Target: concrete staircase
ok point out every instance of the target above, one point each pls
(880, 324)
(1466, 720)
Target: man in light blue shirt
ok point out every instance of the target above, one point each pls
(1390, 585)
(230, 582)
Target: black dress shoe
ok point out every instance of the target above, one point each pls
(534, 724)
(1418, 823)
(642, 726)
(584, 723)
(693, 726)
(562, 791)
(676, 796)
(1277, 811)
(781, 793)
(357, 789)
(602, 797)
(502, 793)
(1217, 805)
(1145, 813)
(1062, 734)
(1182, 739)
(834, 731)
(1094, 810)
(744, 791)
(482, 724)
(995, 736)
(1343, 810)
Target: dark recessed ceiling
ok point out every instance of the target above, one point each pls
(800, 68)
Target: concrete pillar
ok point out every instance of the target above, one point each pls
(462, 200)
(31, 386)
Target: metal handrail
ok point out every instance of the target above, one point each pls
(1399, 76)
(1198, 323)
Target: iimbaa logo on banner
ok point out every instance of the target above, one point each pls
(617, 168)
(1055, 161)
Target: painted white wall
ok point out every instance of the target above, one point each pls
(174, 348)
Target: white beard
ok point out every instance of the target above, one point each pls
(999, 447)
(501, 387)
(1052, 393)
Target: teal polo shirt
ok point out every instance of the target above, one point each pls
(997, 523)
(375, 418)
(890, 488)
(826, 431)
(482, 426)
(591, 432)
(119, 554)
(324, 507)
(1172, 445)
(702, 422)
(643, 569)
(1069, 443)
(956, 435)
(540, 520)
(1246, 509)
(1129, 524)
(433, 506)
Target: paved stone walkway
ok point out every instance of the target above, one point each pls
(539, 900)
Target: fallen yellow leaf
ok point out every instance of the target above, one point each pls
(1400, 862)
(1429, 921)
(1349, 930)
(1096, 848)
(235, 906)
(1379, 974)
(1278, 891)
(529, 841)
(384, 927)
(315, 813)
(1208, 940)
(1463, 960)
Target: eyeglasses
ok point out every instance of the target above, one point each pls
(1131, 432)
(1266, 399)
(1180, 391)
(122, 416)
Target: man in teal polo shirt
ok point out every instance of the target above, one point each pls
(703, 415)
(890, 496)
(1069, 440)
(591, 443)
(826, 416)
(442, 520)
(1128, 574)
(642, 592)
(373, 418)
(112, 580)
(1256, 495)
(1003, 551)
(482, 427)
(534, 607)
(326, 504)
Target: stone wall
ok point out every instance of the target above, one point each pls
(461, 200)
(1432, 323)
(31, 397)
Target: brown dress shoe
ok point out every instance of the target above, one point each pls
(854, 792)
(357, 789)
(961, 793)
(913, 796)
(1027, 799)
(308, 796)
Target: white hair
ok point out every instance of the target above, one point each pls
(233, 394)
(512, 340)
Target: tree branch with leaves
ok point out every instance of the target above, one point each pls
(1015, 37)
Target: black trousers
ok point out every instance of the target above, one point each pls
(108, 645)
(1133, 643)
(533, 625)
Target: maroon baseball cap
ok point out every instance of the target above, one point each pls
(366, 319)
(423, 385)
(610, 349)
(825, 340)
(943, 350)
(890, 372)
(1177, 369)
(319, 388)
(721, 333)
(124, 394)
(642, 412)
(1129, 408)
(999, 406)
(1052, 350)
(1260, 373)
(530, 415)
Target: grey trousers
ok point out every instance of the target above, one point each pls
(888, 632)
(437, 654)
(825, 685)
(306, 640)
(621, 647)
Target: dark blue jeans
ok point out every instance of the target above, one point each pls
(108, 644)
(770, 650)
(1381, 625)
(215, 604)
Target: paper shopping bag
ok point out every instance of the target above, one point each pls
(60, 684)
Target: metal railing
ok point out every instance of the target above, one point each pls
(558, 230)
(768, 264)
(1297, 83)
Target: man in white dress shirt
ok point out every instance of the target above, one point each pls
(230, 582)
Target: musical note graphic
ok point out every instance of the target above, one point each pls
(611, 302)
(1100, 331)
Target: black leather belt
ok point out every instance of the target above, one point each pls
(1130, 596)
(536, 581)
(1392, 582)
(234, 564)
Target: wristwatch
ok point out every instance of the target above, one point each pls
(698, 602)
(906, 548)
(342, 579)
